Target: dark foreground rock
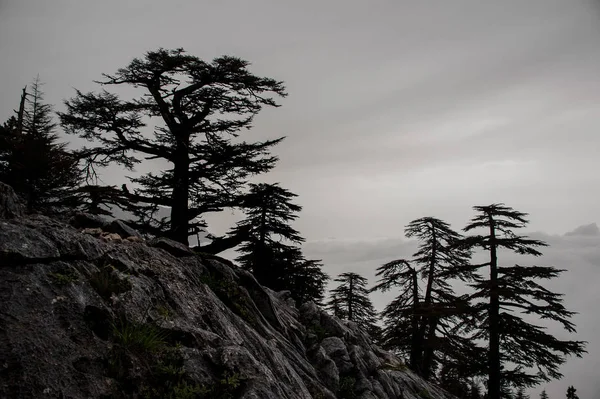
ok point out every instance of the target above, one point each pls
(86, 317)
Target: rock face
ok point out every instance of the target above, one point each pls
(83, 316)
(10, 205)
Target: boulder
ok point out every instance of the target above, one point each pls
(10, 204)
(121, 228)
(175, 248)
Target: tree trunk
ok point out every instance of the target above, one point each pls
(494, 316)
(417, 344)
(180, 204)
(260, 263)
(350, 299)
(429, 349)
(21, 112)
(427, 320)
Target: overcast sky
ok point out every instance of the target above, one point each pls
(396, 109)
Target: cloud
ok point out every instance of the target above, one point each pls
(585, 230)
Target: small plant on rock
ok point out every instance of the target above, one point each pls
(106, 282)
(65, 278)
(139, 337)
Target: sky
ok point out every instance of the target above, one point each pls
(396, 110)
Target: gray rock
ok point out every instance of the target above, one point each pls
(10, 204)
(65, 298)
(84, 220)
(121, 228)
(175, 248)
(335, 348)
(326, 369)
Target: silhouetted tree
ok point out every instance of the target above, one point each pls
(103, 200)
(269, 244)
(543, 395)
(438, 261)
(189, 116)
(475, 391)
(335, 305)
(511, 289)
(401, 316)
(266, 230)
(41, 170)
(304, 278)
(435, 320)
(453, 382)
(352, 296)
(572, 393)
(521, 394)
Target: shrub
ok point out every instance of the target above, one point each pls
(67, 277)
(106, 282)
(139, 337)
(164, 312)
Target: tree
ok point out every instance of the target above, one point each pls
(40, 169)
(521, 394)
(439, 261)
(433, 321)
(189, 116)
(304, 278)
(352, 296)
(543, 395)
(269, 244)
(571, 393)
(475, 391)
(401, 321)
(511, 289)
(336, 306)
(266, 230)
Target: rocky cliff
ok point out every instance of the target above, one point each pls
(88, 309)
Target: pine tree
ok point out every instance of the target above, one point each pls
(453, 382)
(267, 231)
(190, 115)
(352, 296)
(543, 395)
(511, 289)
(335, 305)
(434, 320)
(304, 278)
(571, 393)
(439, 261)
(521, 394)
(401, 316)
(475, 391)
(269, 246)
(40, 169)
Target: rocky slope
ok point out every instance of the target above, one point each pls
(88, 309)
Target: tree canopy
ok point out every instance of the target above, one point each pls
(269, 244)
(350, 300)
(41, 170)
(189, 116)
(520, 353)
(424, 320)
